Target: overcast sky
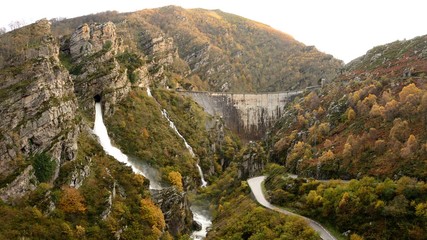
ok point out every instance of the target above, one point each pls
(343, 28)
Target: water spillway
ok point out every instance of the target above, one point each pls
(100, 130)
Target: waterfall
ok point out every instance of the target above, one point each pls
(200, 216)
(190, 149)
(100, 130)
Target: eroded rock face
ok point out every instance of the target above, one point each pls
(93, 48)
(253, 161)
(20, 186)
(37, 107)
(91, 38)
(176, 210)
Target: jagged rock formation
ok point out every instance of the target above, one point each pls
(252, 162)
(176, 210)
(96, 71)
(38, 105)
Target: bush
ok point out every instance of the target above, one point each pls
(44, 166)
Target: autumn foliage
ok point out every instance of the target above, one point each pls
(72, 201)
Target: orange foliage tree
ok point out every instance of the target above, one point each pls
(153, 215)
(71, 201)
(175, 178)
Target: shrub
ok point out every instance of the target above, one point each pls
(44, 166)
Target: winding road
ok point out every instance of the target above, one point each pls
(255, 184)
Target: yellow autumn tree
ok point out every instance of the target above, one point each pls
(410, 147)
(391, 109)
(153, 216)
(408, 90)
(327, 156)
(350, 114)
(376, 111)
(175, 179)
(71, 201)
(354, 236)
(347, 151)
(400, 130)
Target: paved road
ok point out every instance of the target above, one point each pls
(255, 185)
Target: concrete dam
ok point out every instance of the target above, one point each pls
(248, 115)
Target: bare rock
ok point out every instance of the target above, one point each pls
(22, 185)
(37, 104)
(176, 210)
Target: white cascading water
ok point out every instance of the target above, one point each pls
(101, 131)
(190, 149)
(198, 216)
(201, 218)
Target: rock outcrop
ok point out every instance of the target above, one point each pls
(89, 39)
(38, 105)
(252, 162)
(176, 210)
(96, 71)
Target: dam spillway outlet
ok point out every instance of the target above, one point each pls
(97, 98)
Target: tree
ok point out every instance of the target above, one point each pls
(44, 166)
(71, 201)
(400, 130)
(175, 179)
(16, 24)
(347, 151)
(390, 110)
(327, 156)
(354, 236)
(350, 114)
(410, 147)
(376, 111)
(153, 215)
(411, 89)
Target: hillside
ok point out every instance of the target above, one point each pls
(56, 180)
(369, 125)
(218, 51)
(371, 121)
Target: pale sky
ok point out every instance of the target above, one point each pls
(344, 28)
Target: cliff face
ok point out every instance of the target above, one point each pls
(96, 72)
(38, 105)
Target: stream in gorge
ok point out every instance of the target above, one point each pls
(200, 215)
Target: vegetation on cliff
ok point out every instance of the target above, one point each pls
(84, 211)
(358, 127)
(369, 125)
(219, 51)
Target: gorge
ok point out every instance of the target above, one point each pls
(196, 103)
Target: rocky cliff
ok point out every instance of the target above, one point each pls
(96, 72)
(38, 105)
(176, 209)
